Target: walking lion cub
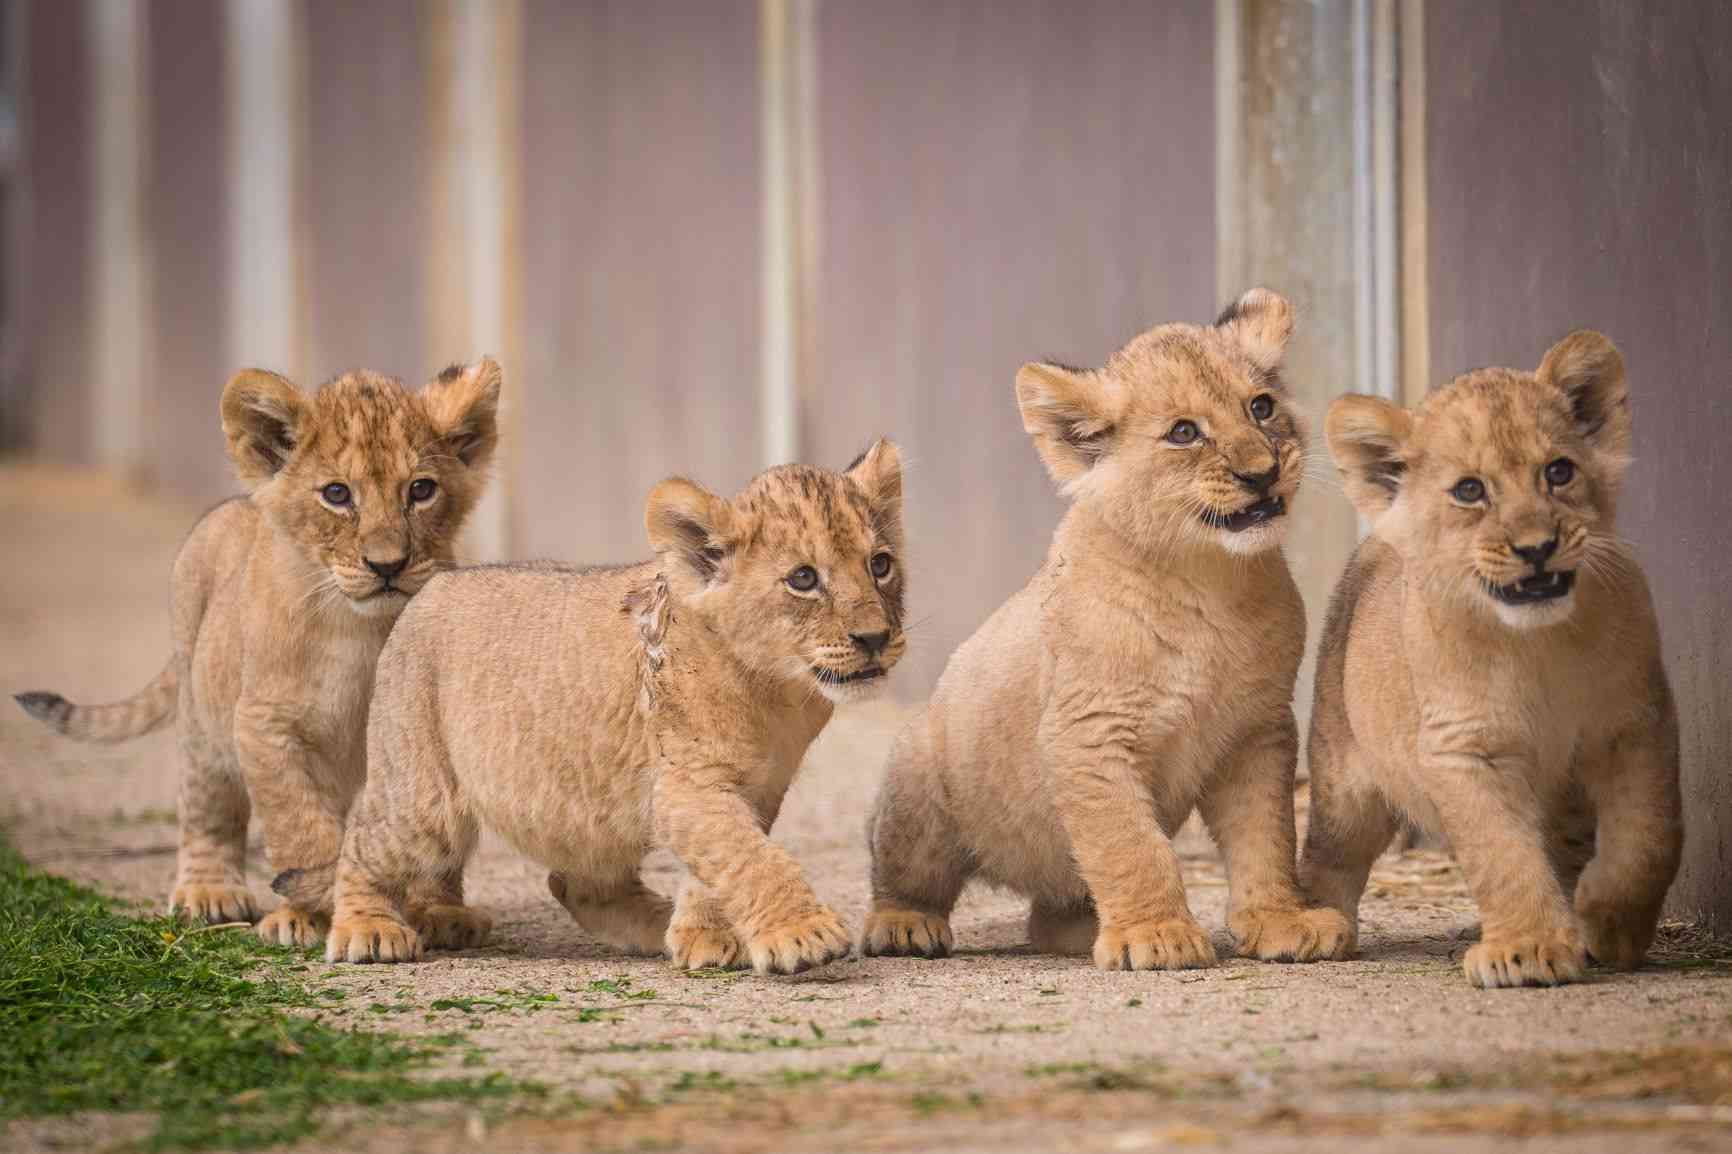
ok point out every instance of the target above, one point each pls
(280, 603)
(1491, 666)
(1146, 670)
(589, 716)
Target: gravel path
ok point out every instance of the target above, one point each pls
(996, 1048)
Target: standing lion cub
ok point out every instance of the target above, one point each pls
(1146, 670)
(1491, 666)
(280, 603)
(589, 716)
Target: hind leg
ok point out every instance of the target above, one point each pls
(1351, 825)
(434, 907)
(1063, 927)
(918, 866)
(700, 936)
(210, 880)
(618, 909)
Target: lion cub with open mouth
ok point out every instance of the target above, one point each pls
(1491, 666)
(589, 716)
(1146, 670)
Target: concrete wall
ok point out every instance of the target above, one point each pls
(998, 182)
(1580, 174)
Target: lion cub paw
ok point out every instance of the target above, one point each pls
(1524, 961)
(1617, 941)
(213, 904)
(1167, 944)
(447, 927)
(800, 944)
(1290, 935)
(288, 926)
(371, 940)
(704, 947)
(906, 933)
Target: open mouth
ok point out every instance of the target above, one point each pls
(1267, 509)
(1530, 590)
(831, 677)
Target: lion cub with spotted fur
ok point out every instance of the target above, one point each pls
(280, 603)
(1491, 666)
(589, 716)
(1146, 670)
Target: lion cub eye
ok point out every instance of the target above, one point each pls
(336, 493)
(882, 563)
(1469, 491)
(1262, 406)
(422, 489)
(802, 580)
(1560, 472)
(1184, 433)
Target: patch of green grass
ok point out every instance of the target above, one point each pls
(100, 1011)
(527, 1000)
(620, 988)
(707, 1080)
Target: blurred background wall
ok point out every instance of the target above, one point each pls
(705, 236)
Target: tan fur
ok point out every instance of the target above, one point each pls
(1525, 733)
(277, 621)
(1146, 670)
(589, 716)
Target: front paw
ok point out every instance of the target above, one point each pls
(213, 904)
(1293, 935)
(1164, 944)
(371, 939)
(288, 926)
(1544, 959)
(449, 927)
(705, 947)
(810, 940)
(906, 933)
(1617, 938)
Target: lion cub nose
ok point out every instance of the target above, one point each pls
(1536, 555)
(872, 644)
(1260, 482)
(386, 569)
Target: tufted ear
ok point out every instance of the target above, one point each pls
(1589, 370)
(1070, 413)
(463, 404)
(1261, 321)
(690, 527)
(262, 415)
(1368, 439)
(878, 471)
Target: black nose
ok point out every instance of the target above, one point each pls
(1536, 555)
(1260, 482)
(387, 569)
(872, 643)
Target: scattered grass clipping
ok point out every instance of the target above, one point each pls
(105, 1012)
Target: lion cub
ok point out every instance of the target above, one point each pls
(1146, 670)
(1491, 666)
(281, 601)
(589, 716)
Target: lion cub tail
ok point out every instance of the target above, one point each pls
(150, 708)
(309, 888)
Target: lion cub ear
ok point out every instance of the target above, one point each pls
(690, 528)
(1261, 321)
(262, 415)
(878, 471)
(463, 404)
(1368, 439)
(1070, 414)
(1589, 370)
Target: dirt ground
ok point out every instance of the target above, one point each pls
(994, 1049)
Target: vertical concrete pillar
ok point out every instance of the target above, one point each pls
(1290, 159)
